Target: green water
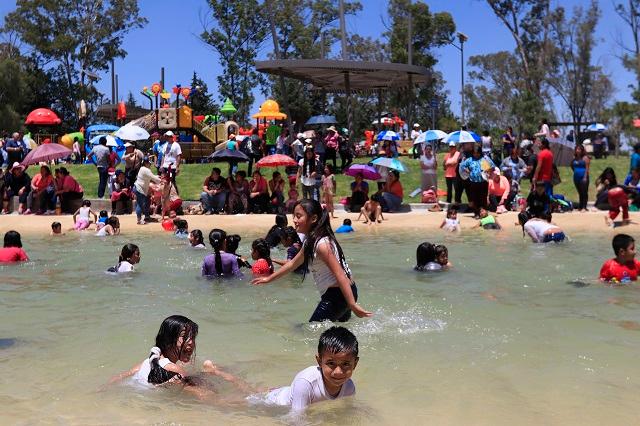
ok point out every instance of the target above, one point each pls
(502, 338)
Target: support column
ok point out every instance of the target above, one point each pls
(347, 88)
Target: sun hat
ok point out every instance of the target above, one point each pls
(168, 133)
(16, 165)
(127, 144)
(416, 125)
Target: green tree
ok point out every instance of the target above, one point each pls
(72, 39)
(630, 14)
(201, 100)
(131, 100)
(236, 30)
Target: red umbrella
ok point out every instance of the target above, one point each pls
(276, 160)
(42, 117)
(46, 152)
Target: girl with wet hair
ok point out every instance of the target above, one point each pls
(220, 263)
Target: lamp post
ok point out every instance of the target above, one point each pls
(462, 38)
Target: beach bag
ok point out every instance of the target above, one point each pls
(429, 196)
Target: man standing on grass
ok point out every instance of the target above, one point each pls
(544, 169)
(99, 154)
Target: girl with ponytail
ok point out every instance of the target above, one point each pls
(322, 255)
(261, 253)
(220, 263)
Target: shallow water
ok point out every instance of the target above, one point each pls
(514, 333)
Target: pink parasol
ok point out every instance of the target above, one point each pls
(46, 152)
(367, 172)
(276, 160)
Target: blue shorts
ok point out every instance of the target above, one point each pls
(555, 237)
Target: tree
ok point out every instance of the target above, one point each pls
(236, 30)
(201, 100)
(72, 39)
(630, 14)
(131, 100)
(575, 76)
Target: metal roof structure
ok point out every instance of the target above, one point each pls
(340, 76)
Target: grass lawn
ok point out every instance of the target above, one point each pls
(192, 176)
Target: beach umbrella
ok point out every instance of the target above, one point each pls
(111, 141)
(131, 132)
(228, 155)
(42, 117)
(390, 163)
(463, 136)
(368, 172)
(102, 128)
(596, 127)
(321, 119)
(276, 160)
(388, 135)
(45, 153)
(430, 135)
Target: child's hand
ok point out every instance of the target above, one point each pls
(261, 280)
(359, 312)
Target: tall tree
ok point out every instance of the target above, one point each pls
(74, 39)
(131, 100)
(201, 100)
(575, 76)
(235, 30)
(630, 14)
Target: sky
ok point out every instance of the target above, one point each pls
(170, 39)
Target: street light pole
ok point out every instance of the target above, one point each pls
(462, 38)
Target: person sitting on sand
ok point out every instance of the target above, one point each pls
(293, 199)
(451, 223)
(624, 267)
(81, 223)
(487, 221)
(538, 202)
(337, 358)
(12, 250)
(129, 256)
(541, 230)
(372, 210)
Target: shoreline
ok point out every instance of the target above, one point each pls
(574, 222)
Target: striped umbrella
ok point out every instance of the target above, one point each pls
(388, 135)
(430, 135)
(463, 136)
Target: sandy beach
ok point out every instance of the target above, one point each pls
(417, 221)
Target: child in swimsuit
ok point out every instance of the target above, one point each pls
(129, 256)
(624, 267)
(291, 240)
(261, 253)
(451, 223)
(102, 219)
(196, 239)
(487, 221)
(111, 228)
(56, 229)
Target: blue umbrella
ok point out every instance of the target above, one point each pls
(430, 135)
(463, 136)
(111, 140)
(596, 127)
(390, 163)
(321, 119)
(101, 128)
(388, 135)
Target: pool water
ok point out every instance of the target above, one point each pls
(514, 333)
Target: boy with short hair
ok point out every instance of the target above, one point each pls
(624, 267)
(345, 227)
(331, 379)
(56, 229)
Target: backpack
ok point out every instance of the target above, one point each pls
(429, 196)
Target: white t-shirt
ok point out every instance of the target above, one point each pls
(306, 180)
(537, 228)
(322, 275)
(171, 153)
(84, 213)
(430, 163)
(125, 266)
(145, 177)
(307, 388)
(415, 134)
(142, 376)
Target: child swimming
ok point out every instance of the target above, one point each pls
(232, 243)
(430, 257)
(624, 267)
(451, 223)
(291, 241)
(129, 256)
(345, 227)
(261, 253)
(182, 228)
(274, 236)
(541, 230)
(337, 358)
(56, 229)
(111, 228)
(12, 250)
(220, 263)
(196, 239)
(83, 222)
(321, 253)
(102, 219)
(487, 221)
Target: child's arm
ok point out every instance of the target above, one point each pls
(175, 368)
(124, 374)
(326, 254)
(210, 368)
(286, 268)
(75, 214)
(95, 216)
(443, 222)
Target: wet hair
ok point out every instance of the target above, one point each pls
(12, 239)
(86, 203)
(439, 250)
(114, 222)
(610, 174)
(619, 242)
(55, 225)
(127, 251)
(261, 246)
(289, 233)
(523, 217)
(346, 222)
(166, 341)
(104, 213)
(180, 224)
(233, 242)
(197, 236)
(335, 340)
(321, 229)
(425, 253)
(281, 220)
(217, 239)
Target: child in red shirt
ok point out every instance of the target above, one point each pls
(261, 253)
(624, 267)
(12, 250)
